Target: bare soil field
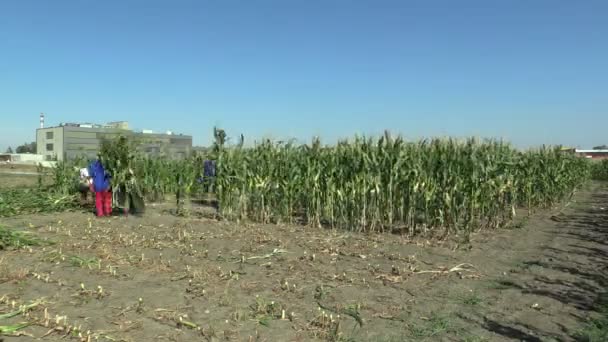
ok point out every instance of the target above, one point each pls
(161, 277)
(19, 175)
(18, 167)
(11, 180)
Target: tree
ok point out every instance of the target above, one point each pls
(601, 147)
(9, 150)
(27, 148)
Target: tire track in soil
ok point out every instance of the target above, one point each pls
(551, 289)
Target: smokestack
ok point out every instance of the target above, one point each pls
(41, 120)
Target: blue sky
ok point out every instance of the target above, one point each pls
(532, 72)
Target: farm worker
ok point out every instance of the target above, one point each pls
(101, 186)
(209, 167)
(85, 183)
(133, 203)
(209, 174)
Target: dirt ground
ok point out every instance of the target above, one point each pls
(21, 175)
(17, 167)
(161, 277)
(15, 180)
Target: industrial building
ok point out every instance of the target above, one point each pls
(592, 154)
(73, 140)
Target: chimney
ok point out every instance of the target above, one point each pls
(41, 120)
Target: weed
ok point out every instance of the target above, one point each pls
(17, 239)
(326, 326)
(321, 292)
(436, 325)
(22, 310)
(596, 329)
(238, 315)
(265, 311)
(84, 262)
(11, 329)
(527, 265)
(350, 310)
(471, 299)
(225, 298)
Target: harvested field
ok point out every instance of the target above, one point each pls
(161, 277)
(15, 176)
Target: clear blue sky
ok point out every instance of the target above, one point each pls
(532, 72)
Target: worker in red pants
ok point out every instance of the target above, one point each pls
(101, 186)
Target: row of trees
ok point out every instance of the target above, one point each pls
(25, 148)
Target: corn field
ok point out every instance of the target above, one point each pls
(599, 170)
(441, 186)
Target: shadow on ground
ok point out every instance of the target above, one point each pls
(570, 272)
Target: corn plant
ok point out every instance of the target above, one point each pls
(65, 178)
(443, 186)
(119, 158)
(30, 201)
(10, 238)
(438, 186)
(599, 169)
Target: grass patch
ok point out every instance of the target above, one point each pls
(435, 325)
(471, 299)
(264, 311)
(10, 238)
(84, 262)
(527, 265)
(596, 329)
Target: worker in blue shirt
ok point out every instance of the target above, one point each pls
(101, 186)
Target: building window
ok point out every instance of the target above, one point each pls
(152, 149)
(177, 141)
(49, 147)
(49, 135)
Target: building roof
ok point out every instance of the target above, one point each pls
(591, 151)
(115, 125)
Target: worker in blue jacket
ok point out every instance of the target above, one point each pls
(101, 186)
